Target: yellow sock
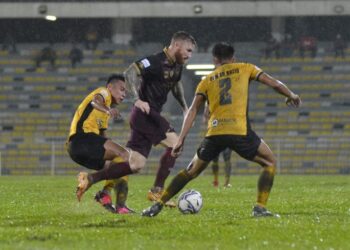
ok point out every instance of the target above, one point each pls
(121, 190)
(109, 185)
(265, 183)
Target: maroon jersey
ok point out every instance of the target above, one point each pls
(159, 73)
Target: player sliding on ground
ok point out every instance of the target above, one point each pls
(226, 91)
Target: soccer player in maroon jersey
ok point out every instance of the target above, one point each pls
(150, 79)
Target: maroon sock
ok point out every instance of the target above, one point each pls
(113, 171)
(165, 164)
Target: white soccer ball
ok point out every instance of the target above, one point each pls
(190, 202)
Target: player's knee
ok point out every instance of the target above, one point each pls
(273, 161)
(270, 160)
(125, 155)
(136, 167)
(193, 172)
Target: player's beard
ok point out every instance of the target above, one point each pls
(179, 59)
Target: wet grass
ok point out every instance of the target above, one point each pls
(42, 213)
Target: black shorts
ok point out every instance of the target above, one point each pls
(87, 150)
(246, 146)
(147, 130)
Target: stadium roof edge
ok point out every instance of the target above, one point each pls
(138, 9)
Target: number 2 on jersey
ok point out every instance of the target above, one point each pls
(225, 96)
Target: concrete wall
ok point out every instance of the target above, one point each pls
(177, 9)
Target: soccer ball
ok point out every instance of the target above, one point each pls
(190, 202)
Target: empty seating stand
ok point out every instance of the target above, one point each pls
(37, 105)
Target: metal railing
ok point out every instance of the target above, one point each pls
(302, 155)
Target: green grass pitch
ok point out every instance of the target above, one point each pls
(43, 213)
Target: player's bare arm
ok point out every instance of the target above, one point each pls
(205, 114)
(292, 98)
(133, 81)
(179, 94)
(187, 124)
(99, 103)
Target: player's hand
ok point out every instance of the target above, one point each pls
(144, 106)
(293, 101)
(113, 113)
(177, 149)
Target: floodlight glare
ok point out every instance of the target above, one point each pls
(51, 18)
(202, 72)
(197, 9)
(200, 66)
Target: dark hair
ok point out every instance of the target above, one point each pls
(223, 51)
(183, 35)
(115, 77)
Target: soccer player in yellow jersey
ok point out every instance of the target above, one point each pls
(226, 91)
(88, 144)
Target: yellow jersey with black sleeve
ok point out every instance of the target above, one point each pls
(89, 120)
(226, 90)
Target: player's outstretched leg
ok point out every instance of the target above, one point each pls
(112, 171)
(178, 182)
(154, 195)
(83, 184)
(153, 210)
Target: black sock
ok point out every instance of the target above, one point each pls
(179, 181)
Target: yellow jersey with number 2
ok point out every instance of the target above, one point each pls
(226, 90)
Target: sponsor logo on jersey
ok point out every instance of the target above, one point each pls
(145, 63)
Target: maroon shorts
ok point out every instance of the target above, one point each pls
(147, 130)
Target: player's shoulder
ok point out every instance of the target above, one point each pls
(244, 64)
(148, 61)
(101, 88)
(153, 57)
(248, 66)
(101, 91)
